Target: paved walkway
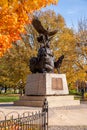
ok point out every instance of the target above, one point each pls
(68, 128)
(59, 118)
(68, 116)
(8, 109)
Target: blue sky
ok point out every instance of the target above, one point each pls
(71, 10)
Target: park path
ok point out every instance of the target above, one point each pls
(68, 128)
(68, 116)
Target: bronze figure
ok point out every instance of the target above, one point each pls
(44, 62)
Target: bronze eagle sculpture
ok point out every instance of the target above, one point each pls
(45, 61)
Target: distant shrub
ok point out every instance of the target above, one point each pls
(85, 95)
(74, 92)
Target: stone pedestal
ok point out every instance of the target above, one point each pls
(46, 84)
(51, 86)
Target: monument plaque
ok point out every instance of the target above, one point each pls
(57, 84)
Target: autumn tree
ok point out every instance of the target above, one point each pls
(15, 63)
(14, 14)
(81, 48)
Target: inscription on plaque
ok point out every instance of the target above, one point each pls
(57, 84)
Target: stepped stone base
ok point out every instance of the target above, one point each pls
(50, 86)
(53, 101)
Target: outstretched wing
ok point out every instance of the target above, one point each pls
(38, 26)
(40, 29)
(52, 33)
(58, 63)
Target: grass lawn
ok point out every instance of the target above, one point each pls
(8, 97)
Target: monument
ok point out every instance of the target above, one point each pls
(43, 82)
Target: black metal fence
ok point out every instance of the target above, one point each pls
(34, 121)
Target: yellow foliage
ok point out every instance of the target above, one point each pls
(3, 3)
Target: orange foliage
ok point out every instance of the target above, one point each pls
(14, 14)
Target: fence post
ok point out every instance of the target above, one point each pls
(45, 111)
(5, 122)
